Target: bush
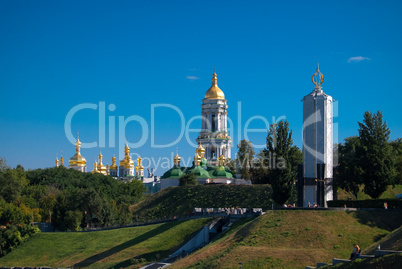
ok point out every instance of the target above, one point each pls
(14, 235)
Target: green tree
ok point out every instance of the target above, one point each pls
(348, 173)
(73, 220)
(259, 169)
(376, 155)
(287, 157)
(188, 180)
(3, 165)
(397, 146)
(244, 158)
(12, 181)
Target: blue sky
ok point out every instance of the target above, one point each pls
(56, 55)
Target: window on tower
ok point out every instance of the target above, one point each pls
(213, 123)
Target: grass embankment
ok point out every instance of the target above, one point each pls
(179, 201)
(104, 249)
(294, 239)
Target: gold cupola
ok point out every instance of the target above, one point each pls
(101, 168)
(214, 92)
(113, 166)
(139, 166)
(197, 160)
(77, 159)
(176, 160)
(200, 151)
(95, 168)
(127, 163)
(57, 162)
(221, 160)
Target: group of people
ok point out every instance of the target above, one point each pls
(355, 253)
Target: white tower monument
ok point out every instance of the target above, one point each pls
(214, 136)
(315, 181)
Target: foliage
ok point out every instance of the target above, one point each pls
(348, 174)
(188, 180)
(12, 181)
(12, 235)
(397, 146)
(259, 169)
(280, 147)
(244, 158)
(179, 201)
(376, 155)
(73, 220)
(3, 165)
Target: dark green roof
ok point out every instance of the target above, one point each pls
(221, 172)
(199, 172)
(174, 172)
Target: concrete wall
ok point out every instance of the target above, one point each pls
(197, 241)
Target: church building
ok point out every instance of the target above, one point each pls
(209, 165)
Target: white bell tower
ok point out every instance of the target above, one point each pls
(214, 136)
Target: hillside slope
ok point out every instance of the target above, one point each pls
(119, 248)
(294, 239)
(179, 201)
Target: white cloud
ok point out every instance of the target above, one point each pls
(192, 77)
(357, 59)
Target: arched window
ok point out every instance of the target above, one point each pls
(213, 154)
(213, 123)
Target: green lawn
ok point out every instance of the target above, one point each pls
(104, 249)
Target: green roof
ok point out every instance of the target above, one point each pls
(174, 172)
(199, 172)
(221, 172)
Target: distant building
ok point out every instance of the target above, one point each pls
(209, 165)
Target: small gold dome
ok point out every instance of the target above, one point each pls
(214, 92)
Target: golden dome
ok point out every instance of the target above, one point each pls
(113, 166)
(197, 160)
(139, 166)
(201, 151)
(176, 159)
(214, 92)
(77, 159)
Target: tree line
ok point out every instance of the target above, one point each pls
(67, 198)
(369, 161)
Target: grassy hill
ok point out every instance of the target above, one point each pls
(179, 201)
(127, 247)
(294, 239)
(391, 241)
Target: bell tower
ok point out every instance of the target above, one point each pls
(214, 137)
